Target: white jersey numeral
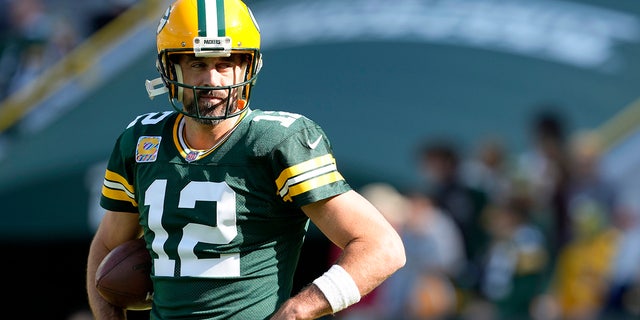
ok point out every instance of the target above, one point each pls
(150, 118)
(225, 230)
(285, 118)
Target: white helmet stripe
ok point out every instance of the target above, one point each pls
(211, 24)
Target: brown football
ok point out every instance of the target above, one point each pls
(123, 276)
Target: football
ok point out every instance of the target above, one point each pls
(123, 276)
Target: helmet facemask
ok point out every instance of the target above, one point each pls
(236, 95)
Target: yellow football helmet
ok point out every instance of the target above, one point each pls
(205, 28)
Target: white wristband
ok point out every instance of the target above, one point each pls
(338, 287)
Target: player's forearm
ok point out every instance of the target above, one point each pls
(371, 261)
(99, 307)
(102, 310)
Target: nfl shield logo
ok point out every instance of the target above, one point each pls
(193, 155)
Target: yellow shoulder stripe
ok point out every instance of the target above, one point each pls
(116, 178)
(312, 184)
(303, 167)
(307, 176)
(116, 187)
(118, 195)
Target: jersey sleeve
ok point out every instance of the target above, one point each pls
(307, 169)
(118, 193)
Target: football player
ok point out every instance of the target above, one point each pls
(223, 194)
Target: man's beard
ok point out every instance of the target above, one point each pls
(208, 109)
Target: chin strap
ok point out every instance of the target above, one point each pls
(155, 87)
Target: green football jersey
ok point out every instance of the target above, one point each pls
(224, 225)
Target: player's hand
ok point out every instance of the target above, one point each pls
(309, 304)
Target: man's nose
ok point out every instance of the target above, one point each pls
(213, 78)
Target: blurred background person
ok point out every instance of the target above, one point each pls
(517, 262)
(440, 259)
(578, 289)
(439, 164)
(543, 171)
(586, 180)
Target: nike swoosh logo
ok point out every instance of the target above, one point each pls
(314, 144)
